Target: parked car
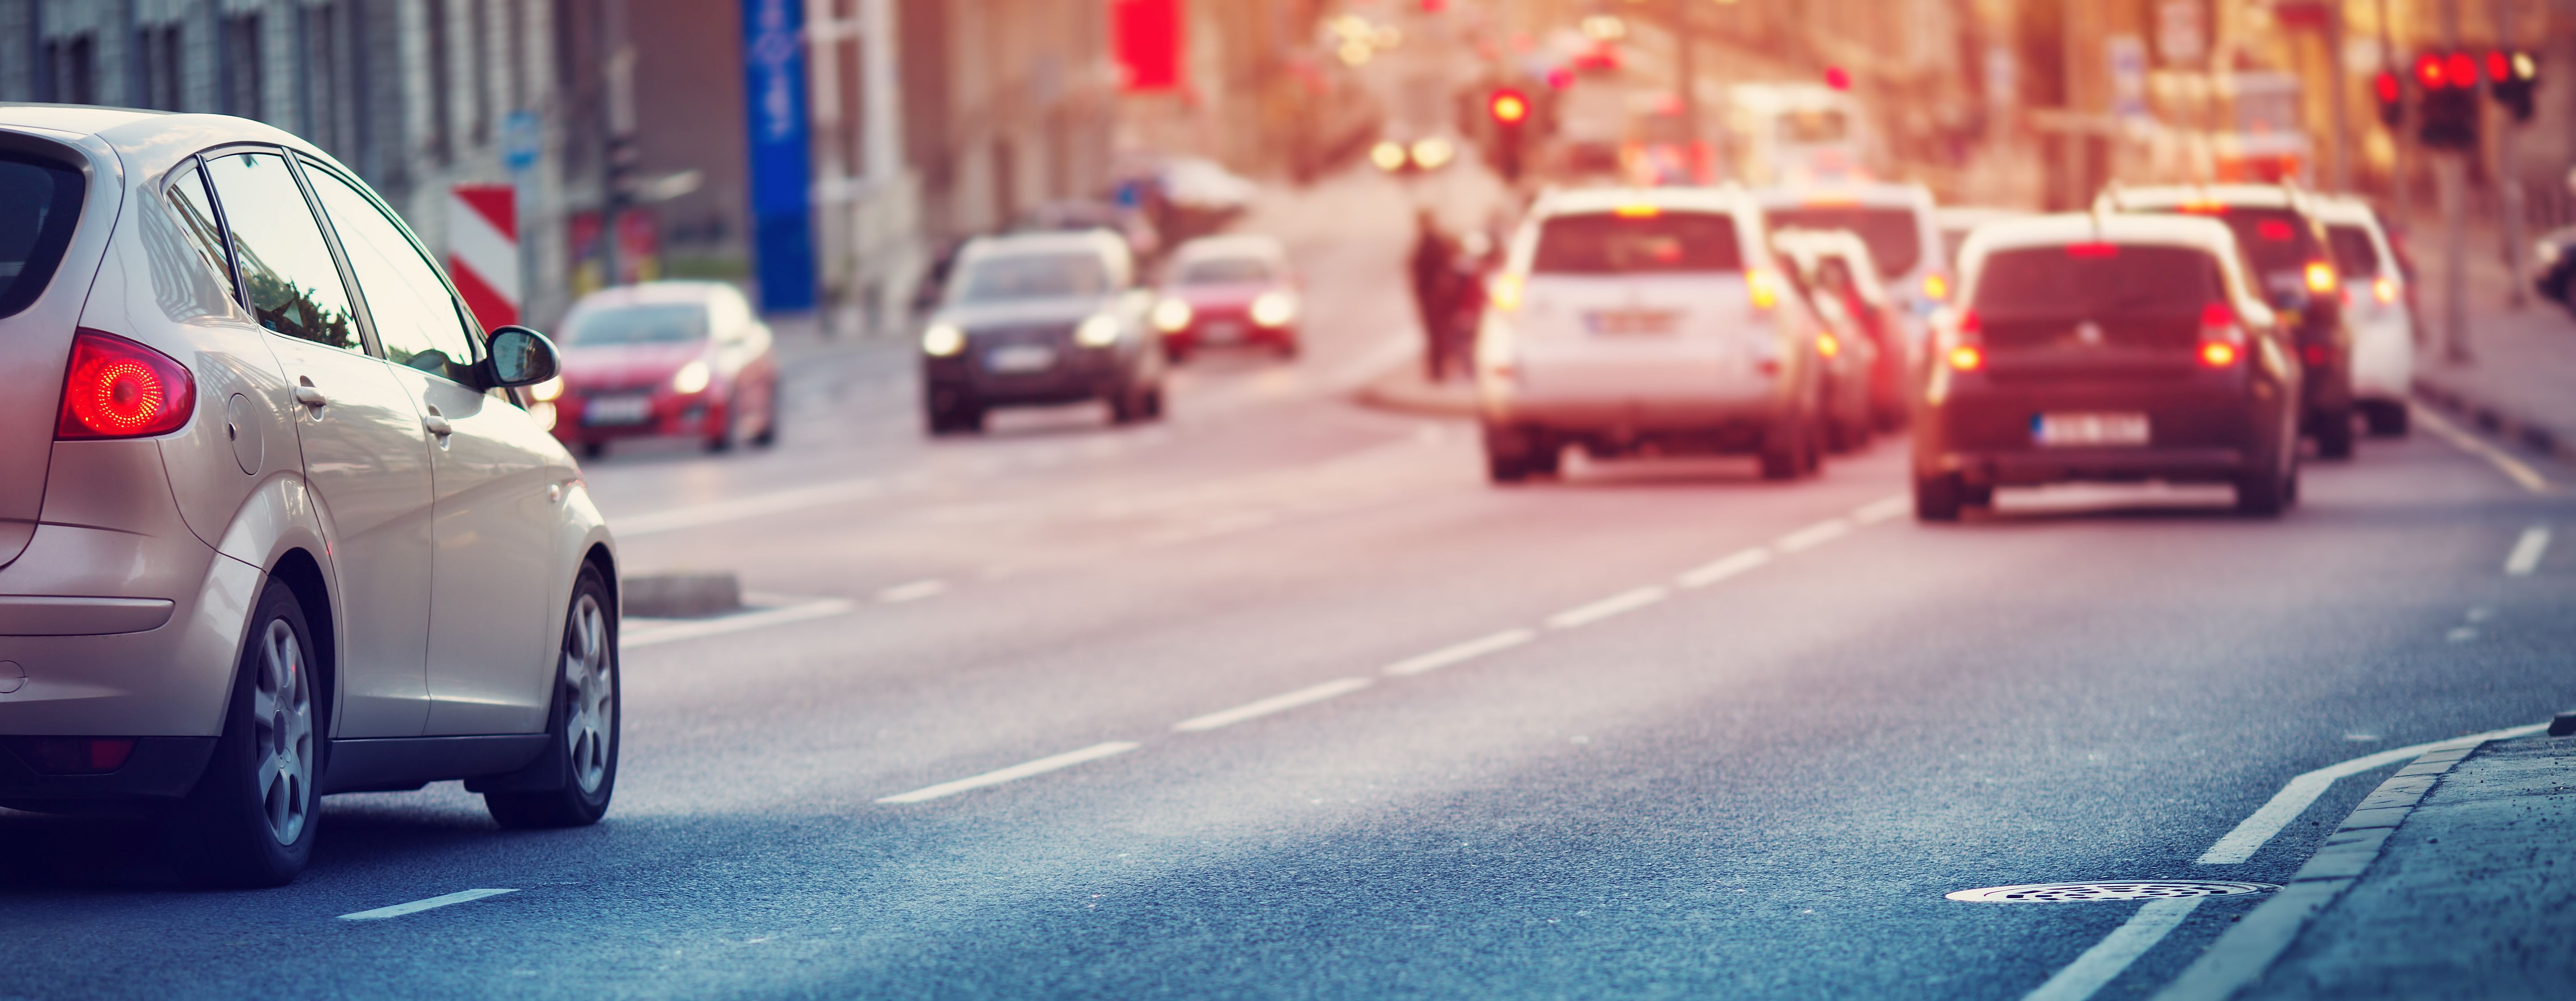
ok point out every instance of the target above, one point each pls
(665, 359)
(2377, 306)
(2109, 347)
(1835, 272)
(1633, 319)
(1036, 319)
(274, 523)
(2554, 267)
(1077, 214)
(2278, 230)
(1226, 291)
(1897, 221)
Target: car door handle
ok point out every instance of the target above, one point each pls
(437, 424)
(311, 397)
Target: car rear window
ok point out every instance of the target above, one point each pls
(1225, 271)
(1602, 243)
(2096, 281)
(1895, 238)
(659, 323)
(2355, 256)
(1034, 276)
(39, 203)
(2279, 242)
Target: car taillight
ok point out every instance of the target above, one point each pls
(2217, 354)
(1827, 346)
(1764, 289)
(2321, 277)
(1504, 292)
(1968, 355)
(2385, 290)
(2316, 354)
(1936, 287)
(116, 388)
(72, 755)
(2222, 342)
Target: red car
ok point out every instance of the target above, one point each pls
(665, 359)
(1228, 290)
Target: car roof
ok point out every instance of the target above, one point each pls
(1972, 216)
(2237, 195)
(653, 293)
(2344, 211)
(1232, 245)
(2101, 227)
(1840, 241)
(1573, 201)
(1043, 241)
(78, 119)
(1878, 194)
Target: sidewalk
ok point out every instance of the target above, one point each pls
(2520, 383)
(1405, 389)
(2455, 878)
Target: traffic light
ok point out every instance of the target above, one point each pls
(2449, 82)
(1510, 111)
(2391, 92)
(2511, 77)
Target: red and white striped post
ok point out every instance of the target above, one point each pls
(483, 251)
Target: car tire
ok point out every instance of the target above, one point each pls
(582, 722)
(1937, 497)
(727, 436)
(768, 435)
(1154, 403)
(2388, 419)
(1785, 450)
(593, 449)
(1545, 459)
(252, 818)
(1976, 495)
(959, 418)
(2265, 493)
(2334, 435)
(1288, 350)
(1509, 453)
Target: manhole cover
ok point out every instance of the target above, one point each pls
(2132, 889)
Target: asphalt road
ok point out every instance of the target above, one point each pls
(1657, 766)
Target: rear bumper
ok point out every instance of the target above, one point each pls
(124, 665)
(1077, 375)
(160, 769)
(2195, 433)
(2023, 468)
(672, 416)
(1196, 337)
(2383, 360)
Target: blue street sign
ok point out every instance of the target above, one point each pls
(520, 140)
(781, 165)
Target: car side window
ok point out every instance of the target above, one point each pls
(416, 319)
(196, 211)
(286, 269)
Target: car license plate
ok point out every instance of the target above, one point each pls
(618, 410)
(1018, 358)
(1619, 322)
(1223, 332)
(2086, 430)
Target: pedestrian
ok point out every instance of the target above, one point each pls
(1433, 280)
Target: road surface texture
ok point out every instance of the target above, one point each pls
(1280, 699)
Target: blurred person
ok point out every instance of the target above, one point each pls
(1434, 281)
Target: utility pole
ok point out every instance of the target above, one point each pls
(1686, 69)
(617, 61)
(2448, 169)
(2508, 170)
(2340, 91)
(2403, 183)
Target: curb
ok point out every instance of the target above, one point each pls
(2499, 422)
(680, 595)
(1400, 390)
(2242, 955)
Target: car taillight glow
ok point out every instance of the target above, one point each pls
(1504, 292)
(2321, 277)
(2384, 290)
(1827, 346)
(2092, 250)
(2217, 315)
(1967, 358)
(116, 388)
(2218, 354)
(1764, 289)
(1936, 287)
(2316, 354)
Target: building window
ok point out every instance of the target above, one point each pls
(478, 46)
(243, 87)
(74, 63)
(157, 56)
(442, 103)
(325, 94)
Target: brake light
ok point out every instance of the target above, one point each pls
(1936, 287)
(116, 388)
(1967, 358)
(1764, 289)
(2385, 290)
(2321, 277)
(1637, 211)
(2092, 250)
(2217, 315)
(72, 755)
(1504, 292)
(1827, 346)
(2316, 354)
(2217, 354)
(2272, 229)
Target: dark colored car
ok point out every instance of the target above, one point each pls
(1036, 319)
(2553, 272)
(1225, 291)
(2111, 348)
(665, 359)
(2285, 242)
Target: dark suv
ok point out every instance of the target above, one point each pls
(2108, 347)
(2285, 242)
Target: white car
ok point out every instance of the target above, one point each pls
(274, 522)
(1904, 237)
(2377, 309)
(1627, 320)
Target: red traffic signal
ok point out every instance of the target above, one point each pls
(2461, 69)
(2429, 71)
(1509, 107)
(2388, 87)
(1837, 78)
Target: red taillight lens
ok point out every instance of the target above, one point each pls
(72, 755)
(2321, 277)
(2092, 250)
(1969, 325)
(116, 388)
(2316, 354)
(2217, 314)
(2217, 354)
(1967, 358)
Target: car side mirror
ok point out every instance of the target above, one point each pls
(520, 357)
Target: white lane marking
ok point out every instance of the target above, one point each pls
(745, 507)
(2293, 799)
(417, 906)
(1389, 353)
(1626, 601)
(1724, 567)
(2527, 552)
(1019, 771)
(1459, 653)
(1276, 703)
(914, 591)
(2520, 471)
(2461, 634)
(673, 631)
(1880, 510)
(1813, 535)
(2103, 962)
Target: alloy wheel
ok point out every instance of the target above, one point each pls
(590, 687)
(282, 733)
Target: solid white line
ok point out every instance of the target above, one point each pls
(1723, 568)
(1880, 510)
(2293, 799)
(1276, 703)
(2527, 552)
(657, 633)
(417, 906)
(745, 507)
(1019, 771)
(1813, 535)
(2103, 962)
(1628, 601)
(2520, 471)
(1459, 653)
(914, 591)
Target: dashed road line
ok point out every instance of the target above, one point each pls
(1723, 568)
(1617, 604)
(1277, 703)
(2527, 552)
(644, 634)
(1459, 653)
(914, 591)
(1019, 771)
(430, 903)
(1813, 535)
(2513, 468)
(1883, 509)
(754, 506)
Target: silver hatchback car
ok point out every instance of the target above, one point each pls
(274, 522)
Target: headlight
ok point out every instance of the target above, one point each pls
(692, 378)
(1172, 316)
(1274, 309)
(1433, 153)
(2546, 252)
(1098, 332)
(1388, 155)
(942, 340)
(551, 389)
